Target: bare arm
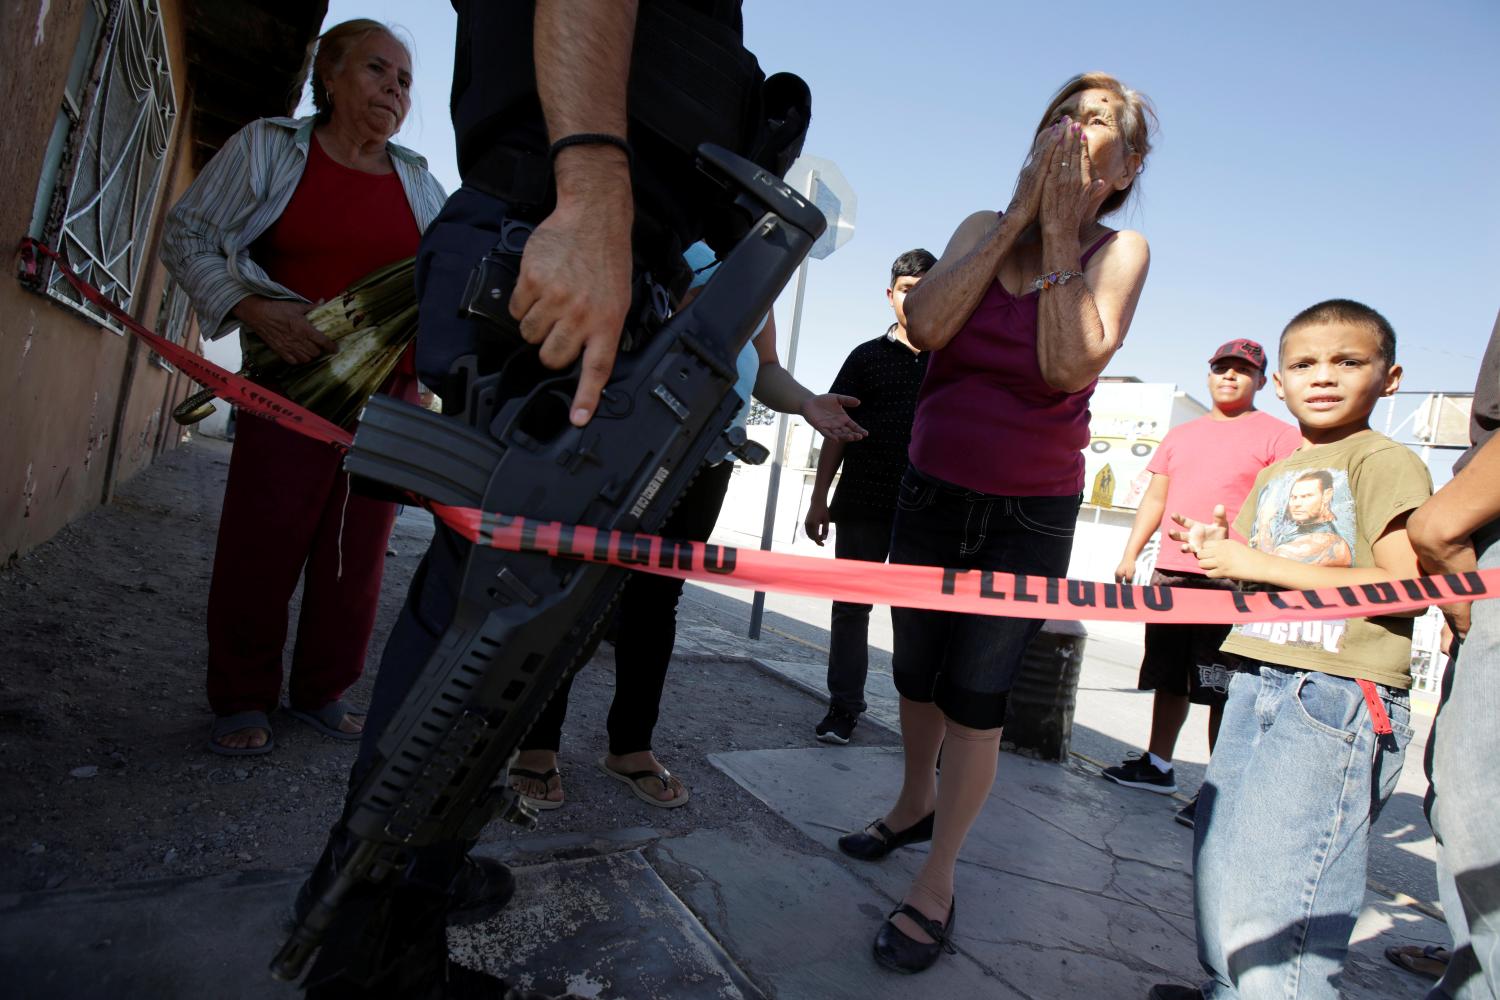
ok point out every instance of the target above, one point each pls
(582, 53)
(1441, 528)
(938, 307)
(776, 387)
(829, 459)
(1220, 556)
(1147, 519)
(1082, 323)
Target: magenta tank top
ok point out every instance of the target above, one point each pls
(986, 418)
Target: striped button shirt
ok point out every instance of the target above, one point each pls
(239, 195)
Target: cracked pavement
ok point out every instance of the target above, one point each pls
(1070, 886)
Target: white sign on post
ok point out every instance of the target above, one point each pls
(825, 186)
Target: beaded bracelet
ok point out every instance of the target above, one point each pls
(591, 139)
(1046, 281)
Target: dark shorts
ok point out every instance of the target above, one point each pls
(966, 663)
(1185, 659)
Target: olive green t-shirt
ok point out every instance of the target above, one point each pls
(1328, 505)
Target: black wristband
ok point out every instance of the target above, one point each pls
(592, 139)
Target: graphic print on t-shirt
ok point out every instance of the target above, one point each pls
(1306, 515)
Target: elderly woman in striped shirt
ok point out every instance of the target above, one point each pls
(288, 213)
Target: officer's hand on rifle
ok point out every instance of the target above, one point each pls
(574, 287)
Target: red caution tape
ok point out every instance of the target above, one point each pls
(939, 589)
(932, 587)
(226, 385)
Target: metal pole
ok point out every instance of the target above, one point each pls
(773, 489)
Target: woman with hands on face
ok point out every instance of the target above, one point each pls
(1021, 313)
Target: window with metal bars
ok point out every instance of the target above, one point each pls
(120, 145)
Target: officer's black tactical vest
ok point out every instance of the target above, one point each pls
(692, 81)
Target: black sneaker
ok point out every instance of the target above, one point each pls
(1139, 772)
(837, 726)
(1188, 813)
(480, 889)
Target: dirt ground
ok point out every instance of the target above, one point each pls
(105, 775)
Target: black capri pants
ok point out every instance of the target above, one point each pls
(967, 663)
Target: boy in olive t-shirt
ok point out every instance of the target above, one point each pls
(1316, 724)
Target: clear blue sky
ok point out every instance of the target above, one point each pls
(1307, 150)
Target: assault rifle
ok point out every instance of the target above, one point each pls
(525, 622)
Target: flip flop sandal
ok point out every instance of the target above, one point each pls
(326, 719)
(664, 776)
(1410, 957)
(224, 725)
(545, 777)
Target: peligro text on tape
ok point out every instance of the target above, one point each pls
(933, 587)
(944, 589)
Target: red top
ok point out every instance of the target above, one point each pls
(340, 225)
(986, 418)
(1208, 462)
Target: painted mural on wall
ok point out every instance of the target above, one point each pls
(1126, 424)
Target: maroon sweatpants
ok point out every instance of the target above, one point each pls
(288, 512)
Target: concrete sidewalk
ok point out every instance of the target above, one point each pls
(1111, 720)
(1069, 887)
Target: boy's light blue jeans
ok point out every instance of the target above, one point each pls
(1282, 834)
(1465, 806)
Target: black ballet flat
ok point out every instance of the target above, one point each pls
(896, 951)
(870, 847)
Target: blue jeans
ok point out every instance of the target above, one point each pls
(849, 630)
(1464, 806)
(1283, 826)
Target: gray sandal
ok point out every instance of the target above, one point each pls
(326, 719)
(1422, 960)
(544, 778)
(224, 725)
(633, 778)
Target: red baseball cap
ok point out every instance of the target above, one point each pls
(1247, 350)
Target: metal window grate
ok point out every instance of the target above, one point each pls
(120, 162)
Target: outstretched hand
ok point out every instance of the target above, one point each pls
(1219, 556)
(829, 417)
(1195, 534)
